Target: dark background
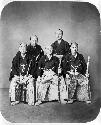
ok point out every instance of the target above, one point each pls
(79, 21)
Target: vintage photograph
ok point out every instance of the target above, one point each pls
(50, 62)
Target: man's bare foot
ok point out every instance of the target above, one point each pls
(70, 101)
(63, 102)
(14, 103)
(88, 101)
(38, 103)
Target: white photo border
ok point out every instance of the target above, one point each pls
(97, 121)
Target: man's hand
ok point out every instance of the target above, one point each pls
(67, 79)
(29, 76)
(59, 70)
(67, 76)
(21, 79)
(16, 78)
(76, 72)
(39, 79)
(87, 75)
(71, 72)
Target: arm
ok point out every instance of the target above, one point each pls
(40, 54)
(67, 48)
(56, 65)
(65, 65)
(82, 68)
(54, 48)
(14, 68)
(40, 67)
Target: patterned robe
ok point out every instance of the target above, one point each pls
(77, 85)
(21, 92)
(35, 53)
(48, 84)
(62, 48)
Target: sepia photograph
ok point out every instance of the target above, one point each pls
(50, 65)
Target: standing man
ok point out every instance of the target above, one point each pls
(60, 47)
(34, 51)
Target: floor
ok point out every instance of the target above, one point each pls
(50, 112)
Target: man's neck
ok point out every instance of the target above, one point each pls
(23, 55)
(33, 45)
(75, 55)
(59, 41)
(49, 56)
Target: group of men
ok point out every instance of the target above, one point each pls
(57, 73)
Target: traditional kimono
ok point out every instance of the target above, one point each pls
(48, 84)
(62, 48)
(22, 67)
(76, 84)
(35, 53)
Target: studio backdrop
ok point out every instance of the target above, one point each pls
(80, 22)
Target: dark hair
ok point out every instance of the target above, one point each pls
(74, 43)
(35, 36)
(61, 31)
(23, 43)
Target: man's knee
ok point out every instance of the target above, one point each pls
(13, 83)
(31, 82)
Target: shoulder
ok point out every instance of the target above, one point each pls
(17, 56)
(65, 42)
(28, 46)
(38, 47)
(53, 44)
(80, 56)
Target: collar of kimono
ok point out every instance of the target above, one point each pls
(33, 46)
(23, 56)
(73, 57)
(59, 41)
(48, 57)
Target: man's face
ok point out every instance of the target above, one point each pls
(74, 49)
(33, 40)
(59, 35)
(48, 50)
(22, 48)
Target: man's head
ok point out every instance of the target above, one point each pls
(59, 34)
(74, 48)
(48, 50)
(22, 48)
(33, 40)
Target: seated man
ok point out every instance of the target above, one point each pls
(47, 77)
(21, 77)
(74, 68)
